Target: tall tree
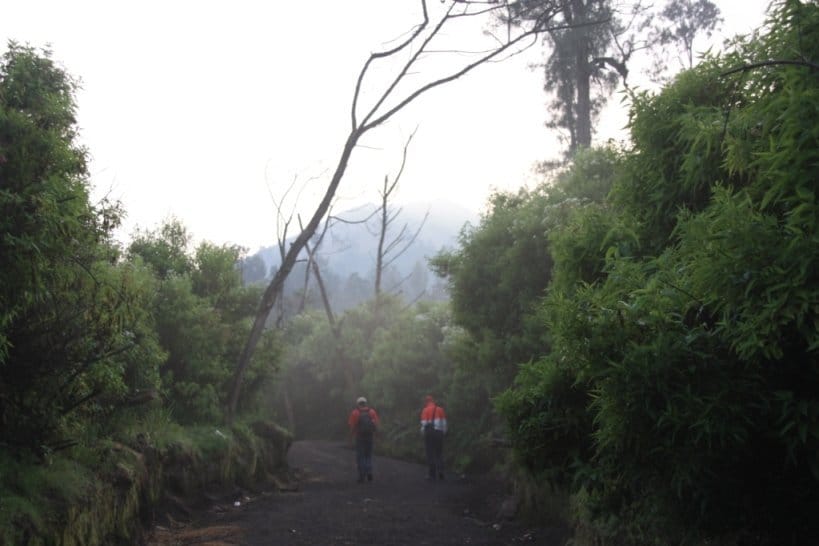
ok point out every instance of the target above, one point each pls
(572, 69)
(579, 54)
(592, 45)
(683, 20)
(70, 314)
(396, 96)
(253, 269)
(391, 245)
(165, 250)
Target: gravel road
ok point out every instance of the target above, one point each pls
(329, 508)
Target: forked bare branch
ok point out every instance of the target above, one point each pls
(418, 40)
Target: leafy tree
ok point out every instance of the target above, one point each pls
(397, 353)
(497, 279)
(42, 171)
(254, 269)
(216, 275)
(679, 134)
(165, 249)
(312, 369)
(683, 21)
(680, 388)
(75, 339)
(503, 266)
(592, 43)
(498, 274)
(202, 312)
(405, 363)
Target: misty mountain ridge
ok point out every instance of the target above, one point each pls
(350, 248)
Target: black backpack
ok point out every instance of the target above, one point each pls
(366, 425)
(429, 428)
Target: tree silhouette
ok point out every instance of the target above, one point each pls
(393, 98)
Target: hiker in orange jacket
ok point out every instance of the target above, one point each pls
(363, 423)
(434, 427)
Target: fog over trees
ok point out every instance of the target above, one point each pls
(630, 344)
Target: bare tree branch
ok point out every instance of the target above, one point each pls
(538, 27)
(754, 66)
(403, 73)
(407, 244)
(335, 326)
(358, 129)
(387, 219)
(353, 222)
(388, 53)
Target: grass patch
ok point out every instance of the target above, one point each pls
(33, 494)
(98, 493)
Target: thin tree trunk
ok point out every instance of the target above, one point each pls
(335, 327)
(583, 113)
(382, 110)
(379, 256)
(583, 81)
(276, 284)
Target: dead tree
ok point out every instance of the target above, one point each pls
(283, 221)
(416, 46)
(390, 250)
(335, 325)
(313, 270)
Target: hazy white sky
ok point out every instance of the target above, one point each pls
(204, 109)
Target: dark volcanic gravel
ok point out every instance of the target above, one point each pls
(399, 507)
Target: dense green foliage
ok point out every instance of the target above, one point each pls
(75, 337)
(494, 291)
(678, 401)
(202, 315)
(498, 277)
(646, 321)
(394, 354)
(98, 348)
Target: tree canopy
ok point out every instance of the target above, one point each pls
(591, 44)
(73, 318)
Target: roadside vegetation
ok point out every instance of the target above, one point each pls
(669, 389)
(633, 343)
(107, 354)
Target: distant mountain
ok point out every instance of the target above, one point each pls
(351, 248)
(347, 256)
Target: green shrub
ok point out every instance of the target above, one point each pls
(693, 347)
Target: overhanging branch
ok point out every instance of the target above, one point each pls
(357, 131)
(754, 66)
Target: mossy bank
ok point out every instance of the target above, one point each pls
(109, 494)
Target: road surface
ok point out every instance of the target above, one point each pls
(329, 508)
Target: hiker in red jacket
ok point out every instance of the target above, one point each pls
(434, 427)
(363, 423)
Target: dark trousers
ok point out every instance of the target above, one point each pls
(364, 455)
(434, 445)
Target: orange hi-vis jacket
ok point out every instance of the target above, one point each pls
(434, 414)
(352, 422)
